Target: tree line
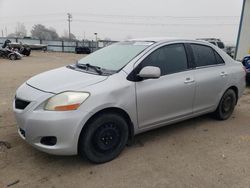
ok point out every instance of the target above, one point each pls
(39, 31)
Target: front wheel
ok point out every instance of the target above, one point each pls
(226, 105)
(12, 57)
(104, 138)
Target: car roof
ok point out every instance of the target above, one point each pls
(168, 39)
(155, 39)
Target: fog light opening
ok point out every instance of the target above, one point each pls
(49, 140)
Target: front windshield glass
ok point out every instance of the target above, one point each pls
(115, 56)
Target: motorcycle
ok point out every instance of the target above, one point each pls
(6, 52)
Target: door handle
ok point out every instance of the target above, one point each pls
(223, 74)
(188, 81)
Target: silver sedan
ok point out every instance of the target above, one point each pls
(95, 107)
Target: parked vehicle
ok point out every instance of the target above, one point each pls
(94, 107)
(30, 46)
(230, 50)
(82, 50)
(22, 49)
(6, 52)
(216, 42)
(246, 63)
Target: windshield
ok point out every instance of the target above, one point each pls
(116, 56)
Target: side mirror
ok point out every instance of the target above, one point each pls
(150, 72)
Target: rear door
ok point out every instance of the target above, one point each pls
(170, 96)
(211, 77)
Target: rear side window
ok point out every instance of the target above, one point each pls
(203, 55)
(170, 59)
(218, 58)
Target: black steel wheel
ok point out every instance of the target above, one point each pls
(226, 106)
(104, 138)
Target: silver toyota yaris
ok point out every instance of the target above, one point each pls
(95, 106)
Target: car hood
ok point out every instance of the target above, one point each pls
(63, 79)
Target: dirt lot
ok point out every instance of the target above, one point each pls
(201, 152)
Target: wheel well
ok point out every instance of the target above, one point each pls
(115, 110)
(235, 89)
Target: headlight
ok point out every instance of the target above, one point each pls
(66, 101)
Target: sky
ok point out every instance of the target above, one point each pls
(120, 20)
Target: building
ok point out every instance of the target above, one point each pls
(243, 41)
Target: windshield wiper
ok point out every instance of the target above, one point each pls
(87, 66)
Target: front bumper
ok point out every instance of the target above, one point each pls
(34, 123)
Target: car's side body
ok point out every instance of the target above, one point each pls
(147, 104)
(204, 79)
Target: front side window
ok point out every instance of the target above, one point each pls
(170, 59)
(203, 55)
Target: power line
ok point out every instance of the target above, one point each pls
(156, 24)
(150, 23)
(154, 16)
(127, 16)
(32, 21)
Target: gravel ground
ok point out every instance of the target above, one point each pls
(200, 152)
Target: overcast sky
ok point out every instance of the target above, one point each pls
(121, 19)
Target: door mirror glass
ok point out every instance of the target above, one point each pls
(150, 72)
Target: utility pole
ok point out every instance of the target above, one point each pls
(96, 40)
(69, 20)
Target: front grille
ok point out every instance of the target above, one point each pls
(22, 132)
(21, 104)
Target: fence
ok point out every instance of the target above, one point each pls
(59, 45)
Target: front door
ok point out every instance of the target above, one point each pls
(171, 96)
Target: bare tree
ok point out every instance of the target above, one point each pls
(20, 31)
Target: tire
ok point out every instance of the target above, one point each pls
(226, 105)
(104, 138)
(28, 52)
(12, 57)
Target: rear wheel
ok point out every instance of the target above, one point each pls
(104, 138)
(226, 106)
(28, 53)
